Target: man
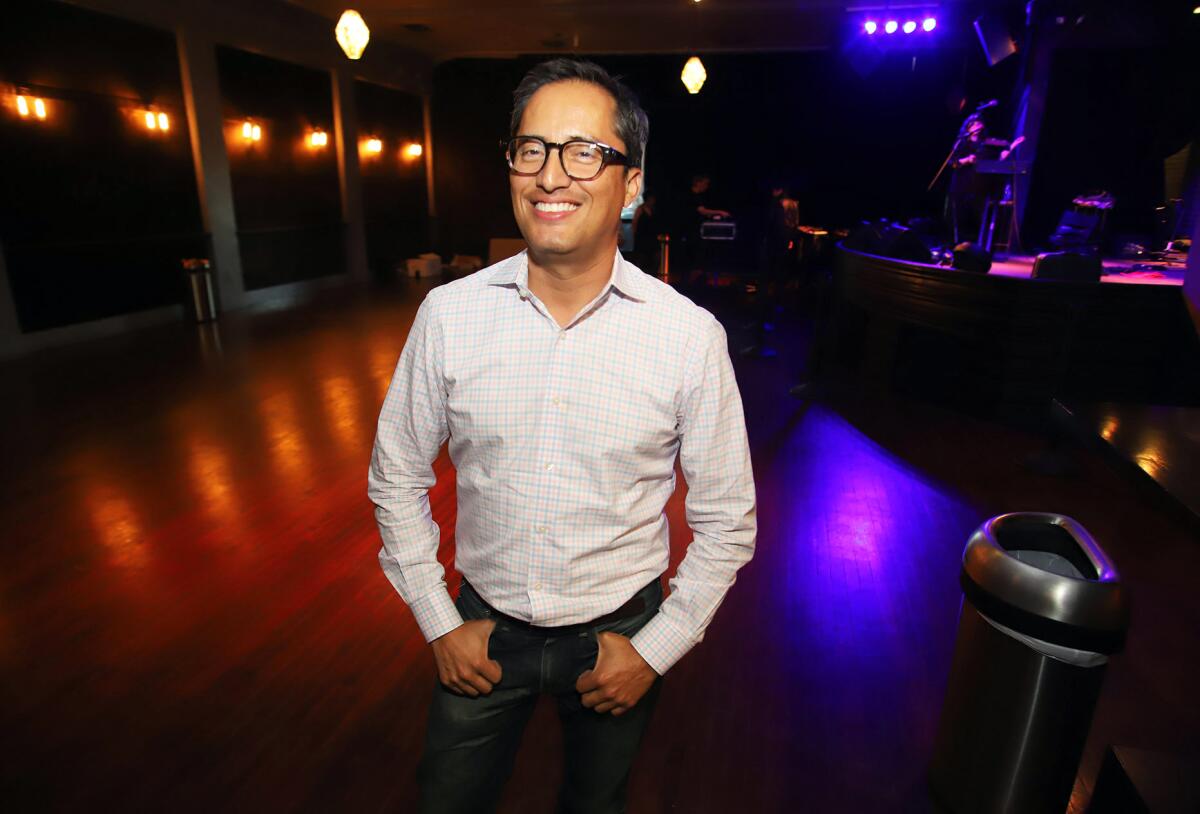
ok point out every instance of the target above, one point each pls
(567, 382)
(696, 213)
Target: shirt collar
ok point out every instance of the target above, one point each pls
(627, 279)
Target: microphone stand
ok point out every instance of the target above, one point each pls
(945, 162)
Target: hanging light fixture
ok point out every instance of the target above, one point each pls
(375, 145)
(413, 150)
(693, 75)
(318, 139)
(352, 33)
(251, 131)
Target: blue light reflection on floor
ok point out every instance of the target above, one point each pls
(864, 554)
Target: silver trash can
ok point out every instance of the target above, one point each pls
(200, 283)
(1043, 609)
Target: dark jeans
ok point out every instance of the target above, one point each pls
(471, 743)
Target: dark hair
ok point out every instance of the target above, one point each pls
(632, 124)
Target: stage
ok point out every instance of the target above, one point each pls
(1002, 342)
(1116, 270)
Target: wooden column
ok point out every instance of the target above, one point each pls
(345, 125)
(206, 125)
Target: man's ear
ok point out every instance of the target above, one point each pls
(633, 185)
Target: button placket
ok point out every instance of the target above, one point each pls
(549, 450)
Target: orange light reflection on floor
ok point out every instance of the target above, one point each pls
(212, 479)
(285, 442)
(117, 526)
(341, 403)
(383, 364)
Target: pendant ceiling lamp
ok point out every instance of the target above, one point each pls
(693, 75)
(352, 33)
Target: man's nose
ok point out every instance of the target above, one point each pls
(553, 176)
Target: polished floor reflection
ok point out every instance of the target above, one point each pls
(192, 617)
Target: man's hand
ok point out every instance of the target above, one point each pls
(462, 662)
(620, 678)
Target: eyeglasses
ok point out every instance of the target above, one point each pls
(581, 160)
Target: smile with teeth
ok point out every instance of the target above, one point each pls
(559, 206)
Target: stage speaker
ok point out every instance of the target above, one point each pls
(866, 237)
(889, 240)
(998, 44)
(1076, 229)
(1071, 266)
(904, 245)
(969, 257)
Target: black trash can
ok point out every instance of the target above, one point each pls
(1043, 609)
(200, 284)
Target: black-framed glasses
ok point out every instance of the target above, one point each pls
(581, 160)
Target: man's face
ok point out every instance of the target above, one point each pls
(558, 215)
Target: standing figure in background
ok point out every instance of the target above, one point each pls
(780, 220)
(645, 234)
(697, 212)
(967, 194)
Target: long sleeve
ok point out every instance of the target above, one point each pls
(412, 428)
(720, 508)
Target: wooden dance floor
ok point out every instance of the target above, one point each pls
(192, 617)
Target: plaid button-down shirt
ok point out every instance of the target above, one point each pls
(564, 440)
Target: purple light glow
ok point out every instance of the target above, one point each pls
(870, 26)
(890, 26)
(929, 24)
(910, 27)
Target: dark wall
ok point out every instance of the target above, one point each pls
(285, 193)
(95, 210)
(854, 138)
(1112, 116)
(394, 193)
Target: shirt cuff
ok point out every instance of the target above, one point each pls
(661, 644)
(436, 614)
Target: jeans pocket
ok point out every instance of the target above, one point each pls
(470, 606)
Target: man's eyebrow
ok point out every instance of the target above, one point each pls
(574, 137)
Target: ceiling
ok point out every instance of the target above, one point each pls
(448, 29)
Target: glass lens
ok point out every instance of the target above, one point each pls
(582, 159)
(526, 154)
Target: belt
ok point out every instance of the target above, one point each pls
(633, 607)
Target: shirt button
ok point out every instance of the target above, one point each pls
(541, 529)
(556, 401)
(537, 586)
(549, 467)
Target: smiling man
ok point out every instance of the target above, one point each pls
(567, 383)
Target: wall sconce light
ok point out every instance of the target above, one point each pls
(156, 121)
(413, 150)
(31, 105)
(352, 33)
(374, 146)
(318, 139)
(251, 131)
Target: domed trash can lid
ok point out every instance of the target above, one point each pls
(1043, 576)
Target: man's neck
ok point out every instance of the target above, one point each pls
(566, 286)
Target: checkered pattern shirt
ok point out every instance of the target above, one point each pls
(564, 440)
